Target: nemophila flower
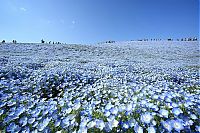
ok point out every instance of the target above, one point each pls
(31, 120)
(122, 108)
(146, 118)
(43, 124)
(36, 113)
(26, 130)
(67, 111)
(13, 128)
(39, 118)
(35, 124)
(188, 103)
(167, 125)
(193, 116)
(77, 106)
(57, 123)
(197, 128)
(155, 107)
(129, 107)
(19, 111)
(11, 103)
(107, 113)
(108, 106)
(91, 124)
(174, 105)
(164, 113)
(1, 111)
(128, 113)
(125, 125)
(65, 122)
(149, 105)
(45, 112)
(83, 123)
(176, 111)
(2, 104)
(114, 123)
(100, 124)
(154, 122)
(114, 110)
(23, 121)
(138, 129)
(82, 130)
(178, 125)
(151, 129)
(132, 122)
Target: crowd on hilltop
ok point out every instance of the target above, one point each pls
(111, 41)
(42, 41)
(171, 39)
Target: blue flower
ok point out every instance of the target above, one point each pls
(122, 108)
(31, 120)
(44, 123)
(164, 113)
(23, 121)
(45, 112)
(35, 124)
(193, 116)
(2, 104)
(77, 106)
(91, 124)
(108, 106)
(138, 129)
(129, 107)
(176, 111)
(125, 125)
(114, 110)
(57, 123)
(107, 113)
(167, 125)
(26, 130)
(13, 128)
(1, 112)
(146, 118)
(151, 129)
(177, 124)
(100, 124)
(19, 111)
(197, 128)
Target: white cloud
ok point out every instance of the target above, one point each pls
(23, 9)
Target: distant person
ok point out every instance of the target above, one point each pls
(14, 41)
(3, 41)
(42, 41)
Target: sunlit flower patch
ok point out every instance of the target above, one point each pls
(95, 89)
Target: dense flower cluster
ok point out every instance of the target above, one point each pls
(107, 88)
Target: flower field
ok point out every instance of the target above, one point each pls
(131, 87)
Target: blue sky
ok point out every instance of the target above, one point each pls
(91, 21)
